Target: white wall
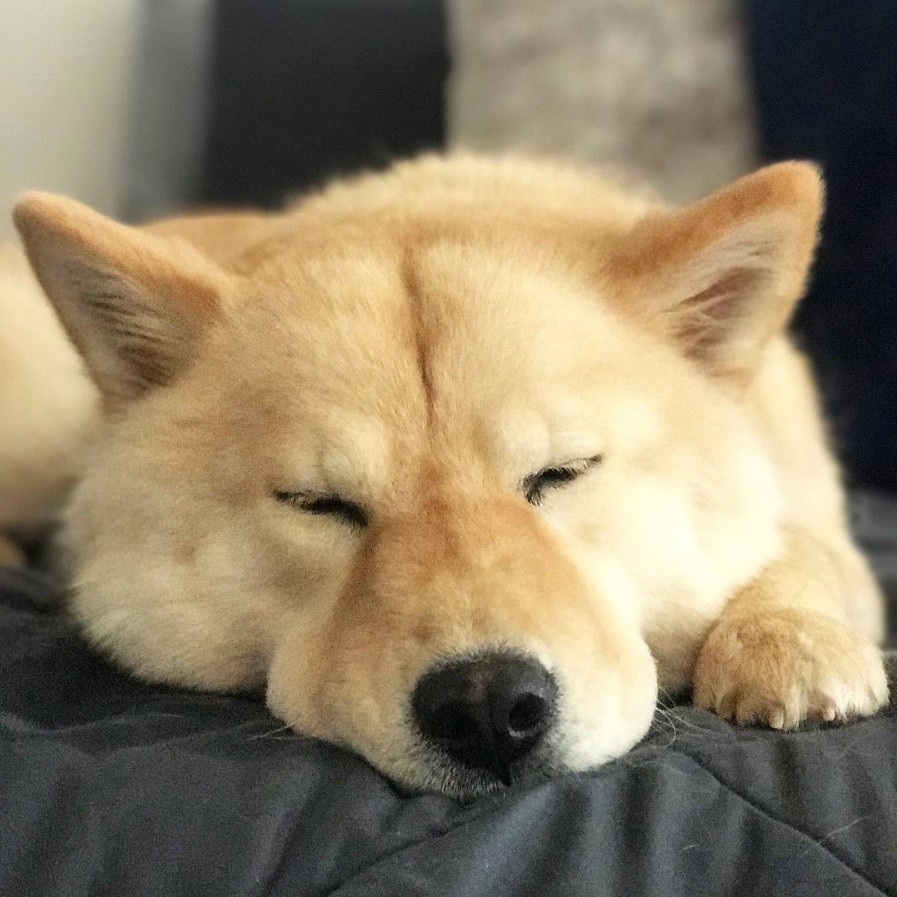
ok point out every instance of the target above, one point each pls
(65, 80)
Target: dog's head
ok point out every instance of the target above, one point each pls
(436, 457)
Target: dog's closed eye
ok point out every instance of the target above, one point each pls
(533, 488)
(536, 485)
(325, 505)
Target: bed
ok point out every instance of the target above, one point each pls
(114, 787)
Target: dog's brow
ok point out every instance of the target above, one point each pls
(351, 463)
(529, 441)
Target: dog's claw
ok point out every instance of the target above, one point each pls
(725, 706)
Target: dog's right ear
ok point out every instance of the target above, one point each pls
(133, 303)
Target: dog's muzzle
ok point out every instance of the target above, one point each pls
(488, 713)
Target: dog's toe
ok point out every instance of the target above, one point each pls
(784, 668)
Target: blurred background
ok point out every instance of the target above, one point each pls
(142, 107)
(66, 70)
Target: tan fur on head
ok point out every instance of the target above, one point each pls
(327, 426)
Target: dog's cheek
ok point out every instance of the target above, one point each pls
(599, 729)
(607, 696)
(297, 676)
(327, 685)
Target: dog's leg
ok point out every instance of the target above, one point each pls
(784, 649)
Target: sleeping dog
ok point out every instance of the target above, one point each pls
(460, 462)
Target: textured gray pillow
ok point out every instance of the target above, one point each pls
(657, 86)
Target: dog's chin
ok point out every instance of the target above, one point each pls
(462, 785)
(437, 773)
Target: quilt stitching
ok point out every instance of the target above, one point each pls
(773, 818)
(486, 811)
(466, 819)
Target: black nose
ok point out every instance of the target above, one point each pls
(487, 712)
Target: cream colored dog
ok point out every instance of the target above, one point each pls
(459, 461)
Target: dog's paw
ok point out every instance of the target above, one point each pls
(787, 666)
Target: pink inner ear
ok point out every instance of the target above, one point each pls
(710, 322)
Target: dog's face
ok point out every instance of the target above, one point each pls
(437, 476)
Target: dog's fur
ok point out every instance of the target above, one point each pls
(420, 344)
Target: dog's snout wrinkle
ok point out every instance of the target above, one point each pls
(487, 713)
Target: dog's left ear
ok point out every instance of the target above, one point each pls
(722, 276)
(133, 303)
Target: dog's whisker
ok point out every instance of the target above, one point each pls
(271, 733)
